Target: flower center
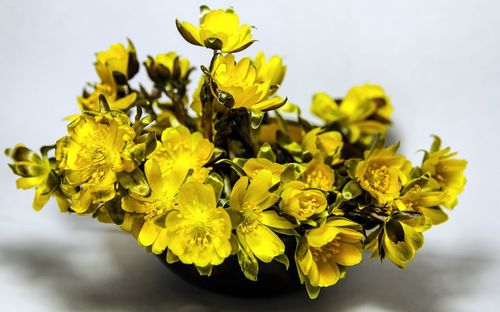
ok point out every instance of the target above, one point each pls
(251, 219)
(327, 252)
(378, 178)
(318, 179)
(308, 205)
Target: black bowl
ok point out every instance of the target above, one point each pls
(228, 279)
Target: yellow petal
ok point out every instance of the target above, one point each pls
(321, 236)
(328, 274)
(272, 219)
(349, 254)
(153, 174)
(160, 243)
(148, 234)
(238, 193)
(264, 243)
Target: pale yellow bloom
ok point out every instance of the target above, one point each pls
(240, 81)
(164, 189)
(116, 65)
(255, 165)
(273, 70)
(380, 173)
(423, 201)
(323, 250)
(327, 143)
(400, 237)
(218, 30)
(318, 175)
(365, 111)
(179, 145)
(198, 232)
(96, 149)
(300, 202)
(36, 172)
(167, 67)
(447, 173)
(249, 202)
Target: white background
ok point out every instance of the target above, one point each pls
(438, 60)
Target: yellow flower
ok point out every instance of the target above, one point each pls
(96, 149)
(91, 101)
(300, 202)
(240, 81)
(117, 65)
(249, 201)
(423, 201)
(198, 232)
(179, 145)
(380, 172)
(365, 111)
(164, 189)
(219, 30)
(323, 253)
(166, 67)
(400, 237)
(36, 172)
(255, 165)
(318, 175)
(273, 70)
(327, 143)
(447, 173)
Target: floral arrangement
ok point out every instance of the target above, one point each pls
(233, 169)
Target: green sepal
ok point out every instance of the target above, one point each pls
(266, 152)
(312, 291)
(234, 244)
(135, 182)
(235, 216)
(148, 142)
(171, 257)
(351, 190)
(283, 259)
(115, 211)
(256, 118)
(421, 182)
(216, 181)
(436, 144)
(204, 271)
(233, 166)
(350, 166)
(248, 264)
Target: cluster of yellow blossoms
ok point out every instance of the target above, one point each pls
(223, 173)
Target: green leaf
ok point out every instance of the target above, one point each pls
(134, 182)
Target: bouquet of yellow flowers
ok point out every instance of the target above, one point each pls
(235, 171)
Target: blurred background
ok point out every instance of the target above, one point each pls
(438, 60)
